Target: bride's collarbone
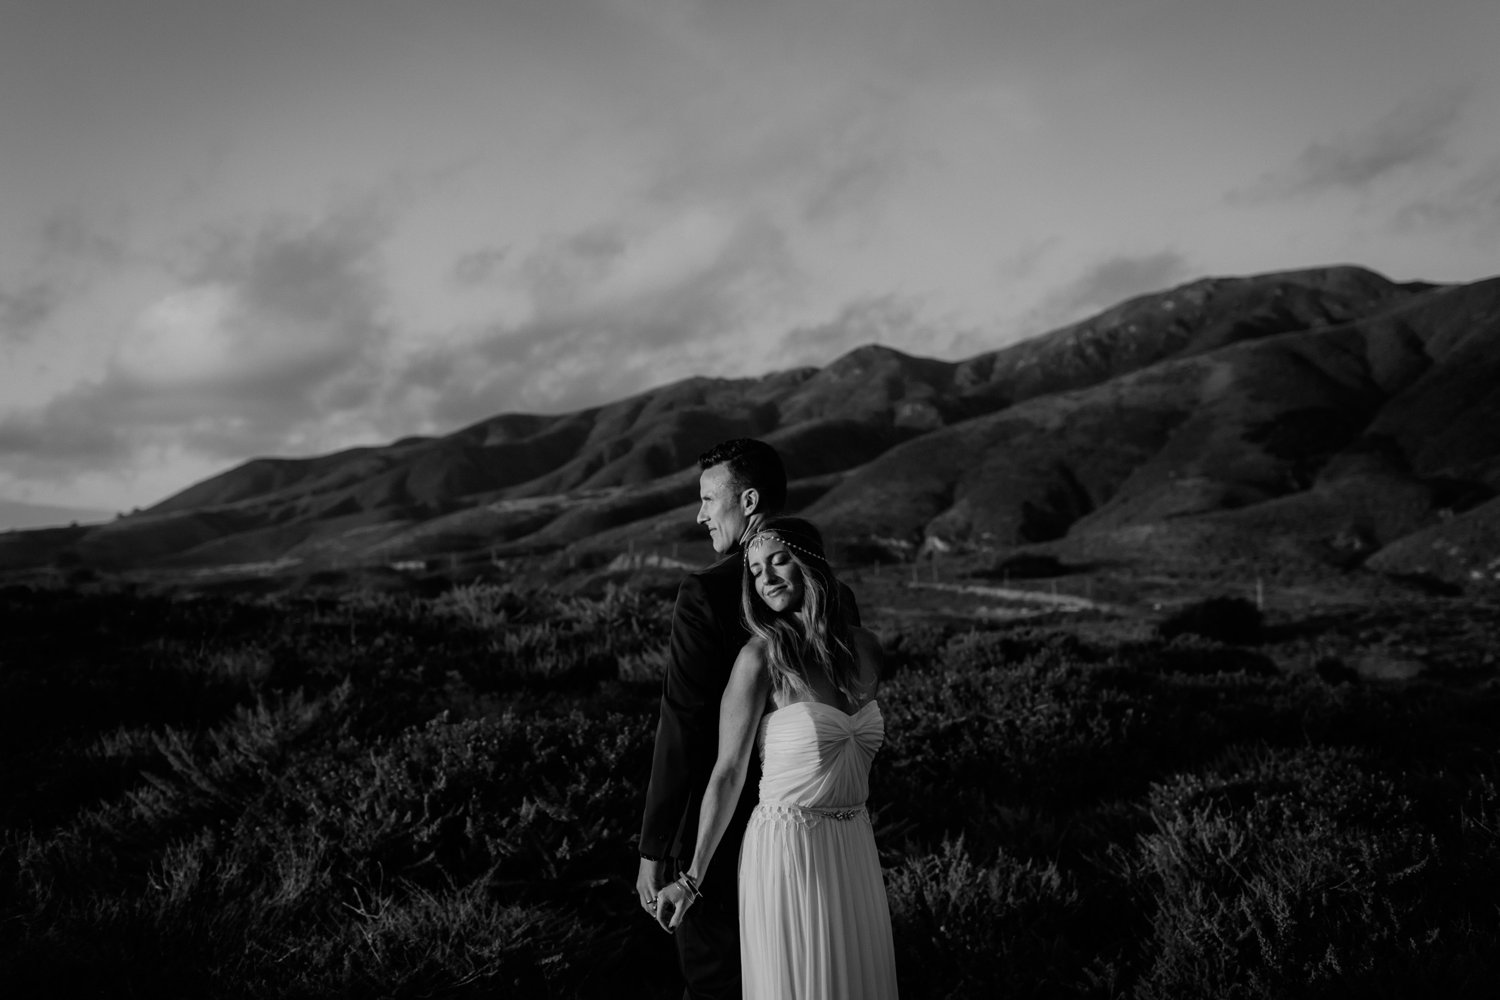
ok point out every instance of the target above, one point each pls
(822, 691)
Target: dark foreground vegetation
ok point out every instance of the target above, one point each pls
(415, 797)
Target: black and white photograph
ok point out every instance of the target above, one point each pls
(753, 499)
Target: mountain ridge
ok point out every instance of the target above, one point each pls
(1216, 409)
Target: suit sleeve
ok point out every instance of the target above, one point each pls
(687, 731)
(851, 606)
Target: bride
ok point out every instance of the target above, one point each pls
(814, 922)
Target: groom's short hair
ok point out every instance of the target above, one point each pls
(752, 464)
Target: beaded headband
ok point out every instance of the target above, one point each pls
(776, 534)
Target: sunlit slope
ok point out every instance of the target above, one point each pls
(1343, 437)
(1320, 414)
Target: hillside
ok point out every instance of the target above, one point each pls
(1364, 430)
(1300, 423)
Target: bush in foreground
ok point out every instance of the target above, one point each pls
(400, 796)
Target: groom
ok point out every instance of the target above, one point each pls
(742, 483)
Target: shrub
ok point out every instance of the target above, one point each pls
(1189, 653)
(392, 794)
(1223, 619)
(646, 667)
(964, 928)
(1015, 722)
(1293, 873)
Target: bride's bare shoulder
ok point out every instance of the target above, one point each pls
(752, 653)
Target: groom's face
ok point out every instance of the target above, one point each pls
(721, 508)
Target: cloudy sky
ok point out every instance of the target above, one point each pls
(282, 227)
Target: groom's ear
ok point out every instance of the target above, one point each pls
(750, 500)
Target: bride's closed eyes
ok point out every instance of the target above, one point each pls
(777, 559)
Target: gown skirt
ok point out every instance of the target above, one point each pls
(814, 921)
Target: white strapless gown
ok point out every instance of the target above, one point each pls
(814, 922)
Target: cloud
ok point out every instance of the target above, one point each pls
(23, 311)
(478, 267)
(1024, 260)
(278, 340)
(850, 161)
(880, 319)
(68, 249)
(615, 311)
(1408, 135)
(71, 252)
(80, 427)
(273, 338)
(1111, 281)
(1473, 202)
(566, 270)
(266, 318)
(65, 233)
(821, 162)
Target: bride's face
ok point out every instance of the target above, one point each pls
(778, 578)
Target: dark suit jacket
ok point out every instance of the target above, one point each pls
(707, 634)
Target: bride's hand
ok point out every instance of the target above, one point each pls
(671, 903)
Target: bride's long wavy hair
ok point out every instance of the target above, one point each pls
(824, 643)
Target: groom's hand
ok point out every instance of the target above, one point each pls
(648, 882)
(671, 903)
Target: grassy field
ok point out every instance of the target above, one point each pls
(413, 796)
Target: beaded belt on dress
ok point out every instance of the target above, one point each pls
(790, 810)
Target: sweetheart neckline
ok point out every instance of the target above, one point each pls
(833, 708)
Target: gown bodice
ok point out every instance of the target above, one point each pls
(818, 756)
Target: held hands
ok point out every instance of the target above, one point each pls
(648, 882)
(672, 902)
